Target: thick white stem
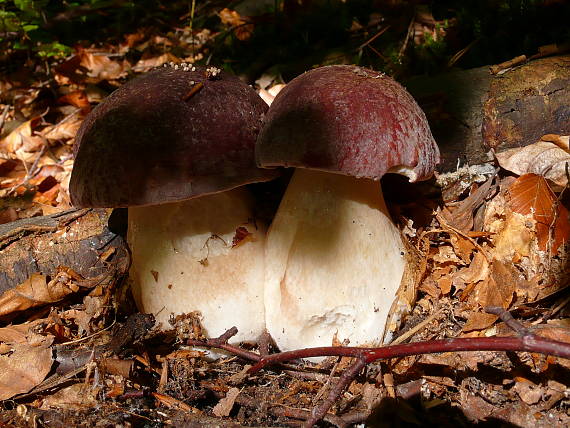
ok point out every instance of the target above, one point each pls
(334, 262)
(183, 261)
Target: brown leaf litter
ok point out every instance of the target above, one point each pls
(496, 239)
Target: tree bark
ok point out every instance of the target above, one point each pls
(472, 111)
(76, 239)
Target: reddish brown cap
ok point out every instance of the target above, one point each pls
(348, 120)
(161, 138)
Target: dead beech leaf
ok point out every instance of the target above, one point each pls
(542, 158)
(100, 67)
(529, 392)
(226, 404)
(479, 321)
(230, 17)
(444, 283)
(15, 139)
(76, 98)
(513, 238)
(242, 30)
(489, 293)
(461, 216)
(35, 291)
(64, 130)
(562, 141)
(463, 247)
(79, 396)
(495, 290)
(507, 273)
(477, 271)
(28, 362)
(147, 63)
(531, 195)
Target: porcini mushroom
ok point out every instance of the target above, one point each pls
(334, 258)
(175, 146)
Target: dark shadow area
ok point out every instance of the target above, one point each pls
(400, 413)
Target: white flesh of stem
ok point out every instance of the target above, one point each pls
(334, 262)
(183, 261)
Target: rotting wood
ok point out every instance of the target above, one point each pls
(472, 111)
(75, 239)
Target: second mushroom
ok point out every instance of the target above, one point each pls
(334, 258)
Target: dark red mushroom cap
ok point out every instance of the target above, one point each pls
(163, 137)
(348, 120)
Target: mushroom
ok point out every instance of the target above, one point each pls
(334, 258)
(176, 145)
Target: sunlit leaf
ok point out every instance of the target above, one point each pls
(531, 195)
(546, 158)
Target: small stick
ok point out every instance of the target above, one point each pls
(195, 89)
(3, 117)
(508, 319)
(345, 379)
(221, 342)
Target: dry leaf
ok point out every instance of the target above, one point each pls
(230, 17)
(531, 195)
(514, 239)
(76, 98)
(15, 139)
(100, 67)
(28, 362)
(463, 247)
(479, 321)
(225, 405)
(75, 397)
(477, 271)
(542, 158)
(461, 216)
(527, 391)
(36, 291)
(64, 130)
(495, 290)
(445, 254)
(242, 30)
(562, 141)
(147, 63)
(444, 284)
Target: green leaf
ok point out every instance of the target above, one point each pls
(30, 27)
(53, 50)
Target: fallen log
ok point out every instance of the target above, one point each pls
(472, 111)
(76, 239)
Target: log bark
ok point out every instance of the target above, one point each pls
(75, 239)
(472, 111)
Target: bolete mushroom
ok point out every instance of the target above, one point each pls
(175, 146)
(334, 258)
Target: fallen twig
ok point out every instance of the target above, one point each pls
(525, 341)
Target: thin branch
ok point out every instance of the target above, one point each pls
(508, 319)
(528, 343)
(345, 379)
(524, 342)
